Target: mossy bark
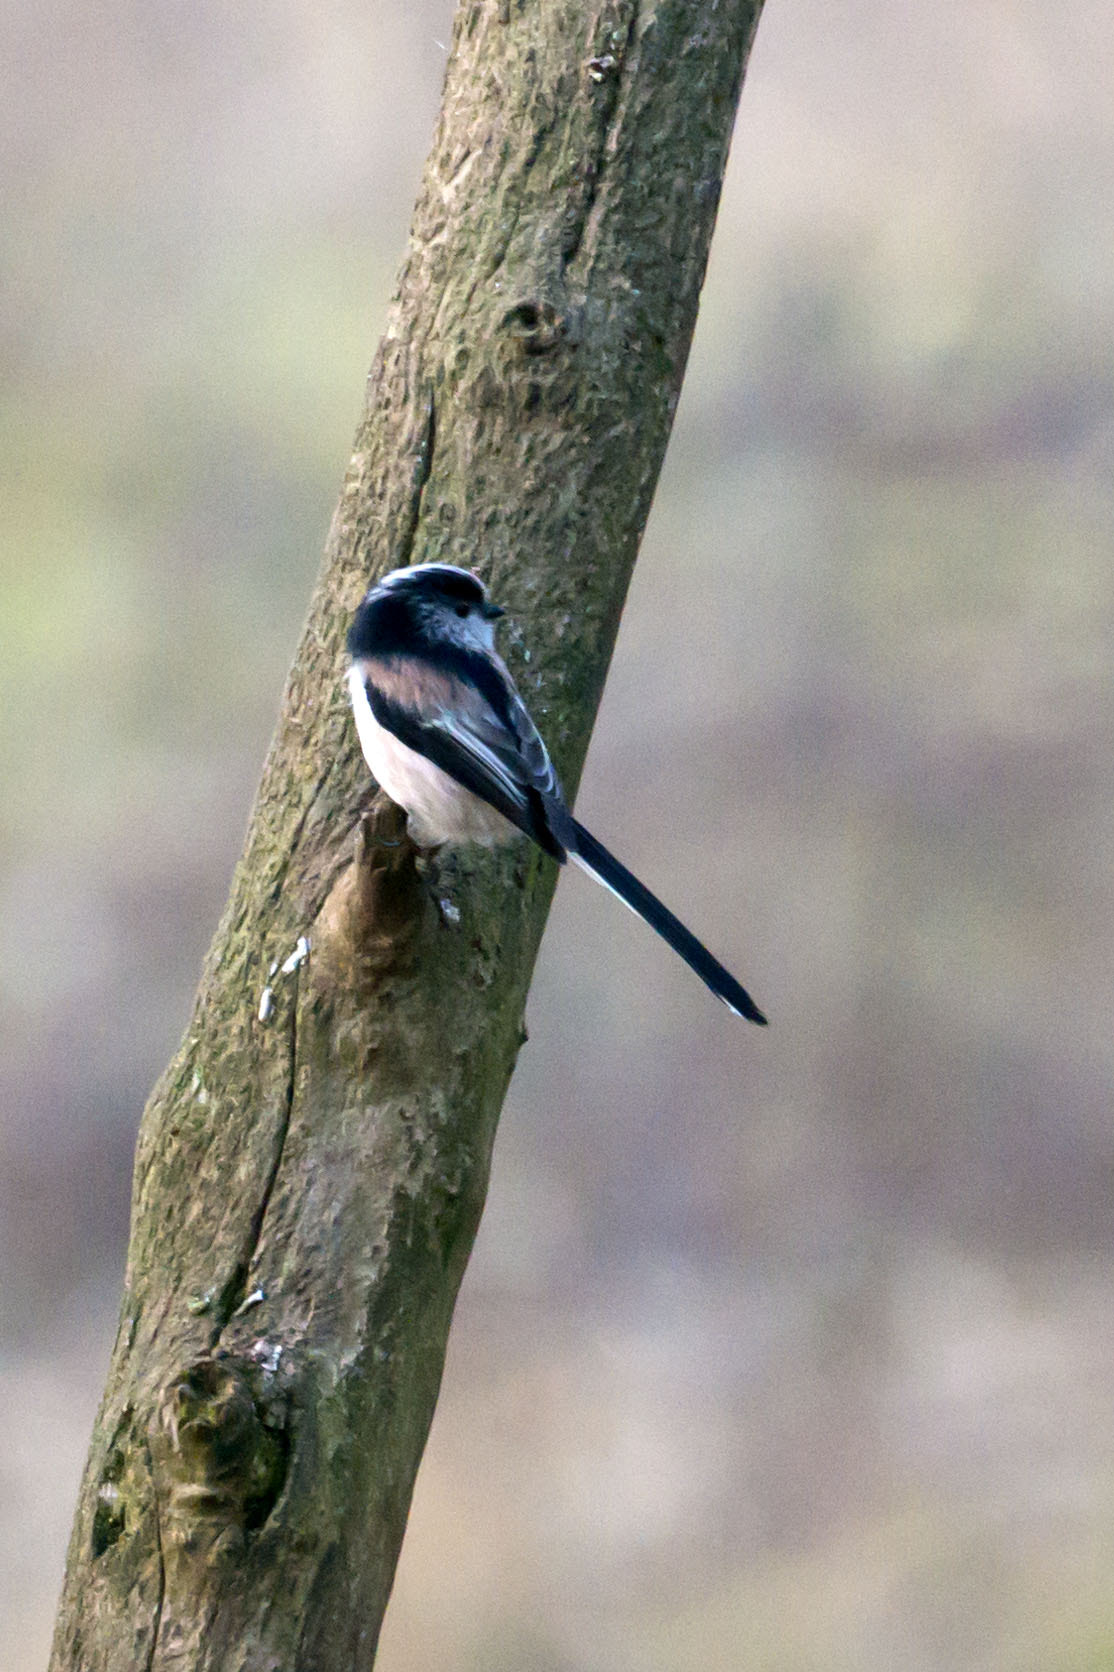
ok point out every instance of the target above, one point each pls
(312, 1166)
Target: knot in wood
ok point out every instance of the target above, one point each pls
(216, 1461)
(536, 325)
(376, 908)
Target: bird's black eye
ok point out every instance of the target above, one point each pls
(463, 609)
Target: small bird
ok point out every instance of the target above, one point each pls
(447, 735)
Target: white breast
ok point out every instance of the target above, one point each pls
(439, 809)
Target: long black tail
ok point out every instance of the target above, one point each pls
(595, 859)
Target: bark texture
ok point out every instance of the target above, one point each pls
(312, 1166)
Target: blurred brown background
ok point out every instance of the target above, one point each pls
(779, 1351)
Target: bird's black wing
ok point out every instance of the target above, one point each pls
(477, 730)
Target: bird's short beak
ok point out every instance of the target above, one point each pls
(492, 612)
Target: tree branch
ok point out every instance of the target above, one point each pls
(312, 1166)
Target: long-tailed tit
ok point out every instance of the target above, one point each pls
(447, 735)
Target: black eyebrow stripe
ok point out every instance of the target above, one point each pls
(456, 585)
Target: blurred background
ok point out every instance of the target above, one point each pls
(779, 1351)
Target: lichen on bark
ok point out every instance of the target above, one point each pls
(311, 1167)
